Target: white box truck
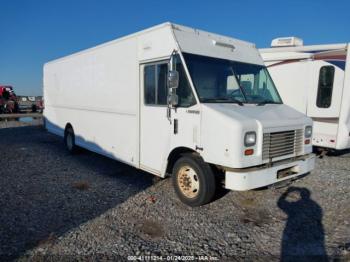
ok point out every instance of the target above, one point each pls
(315, 80)
(173, 100)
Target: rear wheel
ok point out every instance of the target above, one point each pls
(69, 140)
(193, 180)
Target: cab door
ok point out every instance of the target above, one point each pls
(162, 131)
(155, 128)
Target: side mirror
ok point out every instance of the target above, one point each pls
(173, 79)
(173, 100)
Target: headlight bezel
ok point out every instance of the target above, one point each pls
(247, 135)
(308, 132)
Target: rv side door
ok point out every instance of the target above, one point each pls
(325, 90)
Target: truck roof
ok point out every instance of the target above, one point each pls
(174, 27)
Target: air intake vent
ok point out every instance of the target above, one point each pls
(222, 44)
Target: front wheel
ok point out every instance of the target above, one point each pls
(193, 180)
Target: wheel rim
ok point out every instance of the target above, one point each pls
(69, 141)
(188, 181)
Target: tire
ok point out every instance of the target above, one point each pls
(69, 140)
(34, 108)
(193, 180)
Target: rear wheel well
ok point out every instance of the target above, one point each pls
(175, 154)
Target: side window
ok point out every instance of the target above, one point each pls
(184, 92)
(325, 87)
(155, 84)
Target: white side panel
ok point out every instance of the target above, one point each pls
(97, 92)
(343, 139)
(325, 132)
(102, 80)
(292, 82)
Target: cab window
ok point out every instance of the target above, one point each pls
(155, 84)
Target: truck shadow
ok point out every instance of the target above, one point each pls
(303, 236)
(45, 191)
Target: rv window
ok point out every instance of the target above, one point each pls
(325, 87)
(155, 84)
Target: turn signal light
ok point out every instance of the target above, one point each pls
(249, 152)
(307, 141)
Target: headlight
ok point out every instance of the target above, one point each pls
(308, 131)
(250, 139)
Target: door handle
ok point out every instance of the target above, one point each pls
(176, 126)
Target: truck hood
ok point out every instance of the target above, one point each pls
(269, 115)
(223, 127)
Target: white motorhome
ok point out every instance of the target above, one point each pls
(315, 80)
(175, 100)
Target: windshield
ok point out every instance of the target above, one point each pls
(224, 81)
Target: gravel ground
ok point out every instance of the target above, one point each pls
(54, 205)
(10, 123)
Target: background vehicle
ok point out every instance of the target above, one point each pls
(8, 100)
(314, 80)
(176, 100)
(30, 104)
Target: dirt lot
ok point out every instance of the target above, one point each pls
(54, 205)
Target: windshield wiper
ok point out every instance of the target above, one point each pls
(222, 100)
(262, 103)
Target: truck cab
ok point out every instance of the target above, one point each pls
(224, 115)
